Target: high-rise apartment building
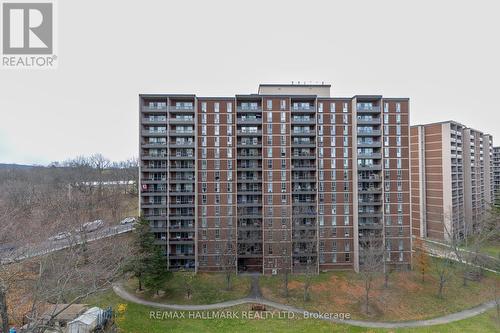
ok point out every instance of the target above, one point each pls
(286, 179)
(452, 188)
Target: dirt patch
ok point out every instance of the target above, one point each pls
(295, 285)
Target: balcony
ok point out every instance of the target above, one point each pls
(184, 167)
(154, 145)
(154, 168)
(154, 157)
(154, 191)
(181, 192)
(303, 133)
(181, 227)
(303, 120)
(157, 204)
(303, 156)
(369, 214)
(251, 108)
(304, 167)
(368, 167)
(367, 144)
(182, 120)
(366, 120)
(369, 190)
(247, 144)
(181, 133)
(181, 109)
(181, 144)
(367, 109)
(249, 133)
(370, 155)
(370, 226)
(249, 179)
(155, 121)
(249, 120)
(304, 190)
(371, 178)
(305, 144)
(369, 132)
(304, 108)
(153, 133)
(153, 109)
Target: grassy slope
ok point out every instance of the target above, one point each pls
(407, 298)
(207, 288)
(137, 319)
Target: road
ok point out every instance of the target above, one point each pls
(48, 246)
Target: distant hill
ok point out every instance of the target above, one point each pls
(16, 166)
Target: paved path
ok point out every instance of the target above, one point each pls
(255, 297)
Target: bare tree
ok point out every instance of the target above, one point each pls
(229, 260)
(371, 258)
(286, 273)
(442, 268)
(34, 204)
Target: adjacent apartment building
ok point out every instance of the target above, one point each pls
(496, 174)
(452, 179)
(285, 179)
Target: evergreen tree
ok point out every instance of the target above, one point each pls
(145, 254)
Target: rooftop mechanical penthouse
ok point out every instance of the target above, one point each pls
(286, 179)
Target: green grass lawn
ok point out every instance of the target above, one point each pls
(491, 249)
(136, 319)
(407, 298)
(207, 288)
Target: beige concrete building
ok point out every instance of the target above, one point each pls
(452, 186)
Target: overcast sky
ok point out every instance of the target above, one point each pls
(444, 55)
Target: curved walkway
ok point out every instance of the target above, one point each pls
(118, 289)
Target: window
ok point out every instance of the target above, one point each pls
(282, 104)
(269, 117)
(229, 107)
(269, 104)
(216, 107)
(203, 106)
(283, 117)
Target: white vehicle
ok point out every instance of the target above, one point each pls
(91, 226)
(60, 236)
(128, 220)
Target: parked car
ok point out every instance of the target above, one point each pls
(60, 236)
(7, 248)
(128, 220)
(91, 226)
